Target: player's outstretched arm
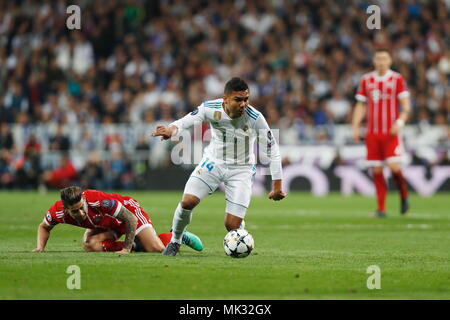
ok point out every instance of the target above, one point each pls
(277, 193)
(130, 222)
(195, 117)
(42, 236)
(165, 132)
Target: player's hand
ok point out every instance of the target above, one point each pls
(397, 126)
(38, 250)
(395, 130)
(123, 251)
(356, 137)
(277, 195)
(162, 131)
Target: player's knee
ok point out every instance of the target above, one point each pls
(377, 169)
(87, 246)
(159, 248)
(154, 247)
(189, 202)
(395, 168)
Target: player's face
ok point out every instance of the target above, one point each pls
(78, 210)
(382, 61)
(235, 103)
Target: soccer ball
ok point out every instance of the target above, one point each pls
(238, 243)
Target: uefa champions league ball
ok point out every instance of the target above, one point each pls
(238, 243)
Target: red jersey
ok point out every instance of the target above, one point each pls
(381, 95)
(102, 210)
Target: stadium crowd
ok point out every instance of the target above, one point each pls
(148, 62)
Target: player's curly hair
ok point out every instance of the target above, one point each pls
(71, 195)
(235, 84)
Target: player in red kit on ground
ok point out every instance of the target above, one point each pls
(107, 216)
(380, 95)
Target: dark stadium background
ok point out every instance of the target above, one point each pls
(78, 106)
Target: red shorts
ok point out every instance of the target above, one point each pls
(142, 217)
(382, 148)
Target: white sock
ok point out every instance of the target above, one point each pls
(242, 226)
(181, 218)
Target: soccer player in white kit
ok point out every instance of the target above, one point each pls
(229, 158)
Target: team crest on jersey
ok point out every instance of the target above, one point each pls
(108, 203)
(375, 95)
(217, 115)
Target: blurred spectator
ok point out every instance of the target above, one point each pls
(142, 144)
(62, 176)
(119, 172)
(6, 138)
(86, 143)
(6, 172)
(339, 108)
(15, 101)
(59, 142)
(33, 145)
(92, 175)
(28, 168)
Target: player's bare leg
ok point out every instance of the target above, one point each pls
(150, 240)
(99, 240)
(380, 191)
(397, 176)
(181, 218)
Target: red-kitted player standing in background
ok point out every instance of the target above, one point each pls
(380, 95)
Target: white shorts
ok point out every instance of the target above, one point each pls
(238, 181)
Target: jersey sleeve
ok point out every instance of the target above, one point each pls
(402, 88)
(269, 147)
(361, 94)
(195, 117)
(53, 216)
(104, 202)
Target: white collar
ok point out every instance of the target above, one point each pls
(382, 78)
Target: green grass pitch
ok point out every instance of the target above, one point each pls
(305, 248)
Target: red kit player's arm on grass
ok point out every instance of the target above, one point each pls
(42, 236)
(358, 115)
(130, 222)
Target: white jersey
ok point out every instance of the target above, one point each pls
(233, 140)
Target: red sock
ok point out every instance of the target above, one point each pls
(165, 238)
(111, 245)
(381, 189)
(401, 184)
